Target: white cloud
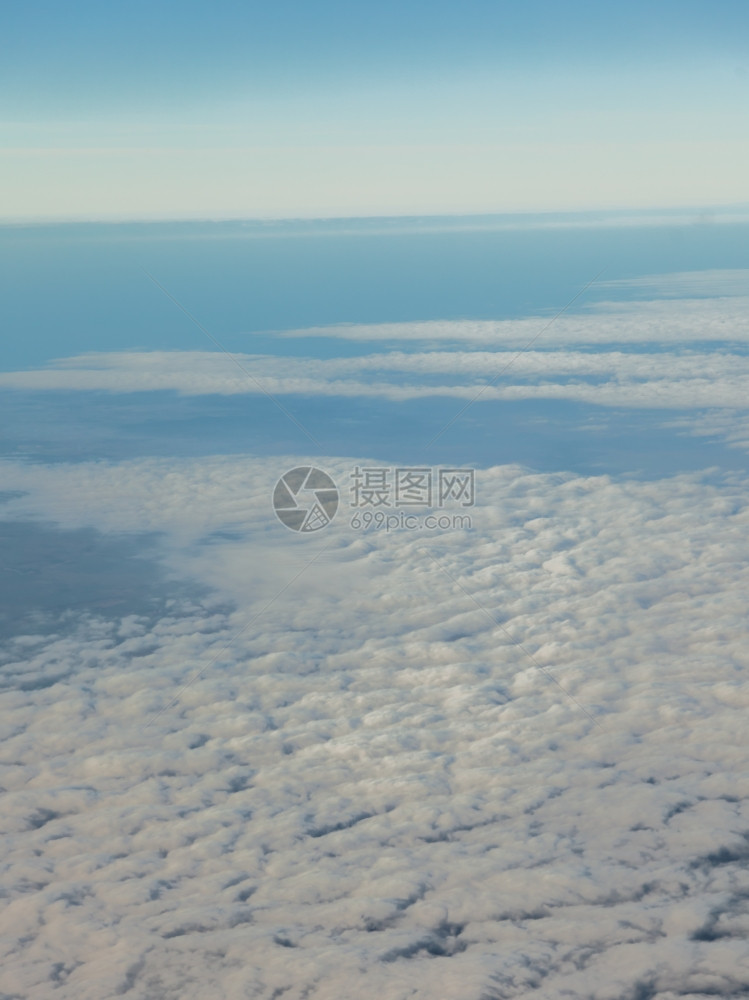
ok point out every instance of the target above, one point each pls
(373, 790)
(730, 425)
(659, 369)
(671, 322)
(610, 378)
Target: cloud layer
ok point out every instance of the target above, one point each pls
(680, 354)
(362, 784)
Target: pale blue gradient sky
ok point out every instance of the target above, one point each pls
(316, 109)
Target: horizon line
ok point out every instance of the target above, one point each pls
(704, 214)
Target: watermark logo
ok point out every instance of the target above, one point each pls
(380, 497)
(411, 486)
(305, 499)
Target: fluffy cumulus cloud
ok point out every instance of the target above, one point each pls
(475, 763)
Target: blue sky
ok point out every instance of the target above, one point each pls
(89, 56)
(304, 109)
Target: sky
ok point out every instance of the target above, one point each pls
(330, 109)
(374, 501)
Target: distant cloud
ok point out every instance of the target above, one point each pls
(686, 284)
(608, 378)
(670, 322)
